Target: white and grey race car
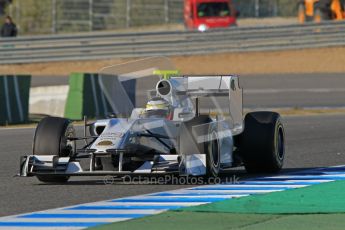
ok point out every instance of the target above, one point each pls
(181, 125)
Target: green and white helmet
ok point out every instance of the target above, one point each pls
(157, 106)
(157, 103)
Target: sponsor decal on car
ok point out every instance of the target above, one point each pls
(105, 143)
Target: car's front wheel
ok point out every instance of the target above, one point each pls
(51, 138)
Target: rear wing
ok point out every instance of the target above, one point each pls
(218, 95)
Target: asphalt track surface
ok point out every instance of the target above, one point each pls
(311, 142)
(273, 90)
(294, 90)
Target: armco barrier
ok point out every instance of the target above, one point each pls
(14, 99)
(86, 97)
(104, 45)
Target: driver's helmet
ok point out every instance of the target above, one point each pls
(157, 107)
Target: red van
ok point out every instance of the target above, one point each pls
(207, 14)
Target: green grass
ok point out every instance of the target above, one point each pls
(319, 206)
(321, 198)
(222, 221)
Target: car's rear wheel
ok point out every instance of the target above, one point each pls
(262, 144)
(51, 138)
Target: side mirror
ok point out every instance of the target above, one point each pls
(111, 115)
(185, 115)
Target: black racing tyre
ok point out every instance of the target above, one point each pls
(262, 144)
(213, 153)
(51, 139)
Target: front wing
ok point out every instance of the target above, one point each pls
(33, 165)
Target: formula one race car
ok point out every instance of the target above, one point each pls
(162, 123)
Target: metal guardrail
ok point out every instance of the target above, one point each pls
(104, 45)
